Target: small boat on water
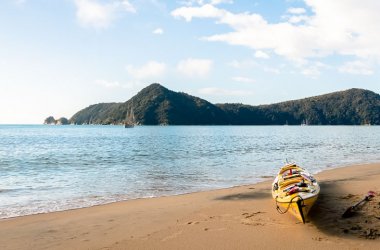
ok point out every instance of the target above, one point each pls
(130, 120)
(295, 191)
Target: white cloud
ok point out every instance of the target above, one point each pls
(312, 69)
(202, 2)
(127, 6)
(216, 2)
(312, 72)
(298, 19)
(355, 34)
(251, 64)
(158, 31)
(195, 67)
(93, 13)
(356, 68)
(107, 84)
(244, 64)
(205, 11)
(243, 79)
(190, 2)
(112, 84)
(271, 70)
(19, 2)
(261, 54)
(223, 92)
(151, 69)
(296, 11)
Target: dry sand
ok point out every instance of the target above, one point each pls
(236, 218)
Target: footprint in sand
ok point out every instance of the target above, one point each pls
(249, 215)
(346, 197)
(193, 222)
(253, 223)
(318, 238)
(215, 229)
(255, 219)
(173, 236)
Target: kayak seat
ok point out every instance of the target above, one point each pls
(293, 166)
(288, 182)
(297, 190)
(291, 176)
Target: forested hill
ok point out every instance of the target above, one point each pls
(157, 105)
(349, 107)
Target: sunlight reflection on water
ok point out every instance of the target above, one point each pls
(50, 168)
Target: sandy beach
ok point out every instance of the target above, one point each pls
(236, 218)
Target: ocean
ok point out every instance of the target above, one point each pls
(54, 168)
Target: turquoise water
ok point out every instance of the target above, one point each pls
(52, 168)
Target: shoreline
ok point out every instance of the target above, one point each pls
(244, 215)
(263, 179)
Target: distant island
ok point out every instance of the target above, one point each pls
(157, 105)
(61, 121)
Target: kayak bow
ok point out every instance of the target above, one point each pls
(295, 191)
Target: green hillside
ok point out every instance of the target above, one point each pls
(157, 105)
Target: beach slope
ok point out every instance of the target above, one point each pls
(236, 218)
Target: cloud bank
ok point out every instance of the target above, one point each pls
(150, 70)
(347, 28)
(96, 14)
(195, 67)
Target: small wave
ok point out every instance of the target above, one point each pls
(266, 176)
(22, 189)
(44, 175)
(6, 190)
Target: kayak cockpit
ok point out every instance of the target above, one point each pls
(295, 190)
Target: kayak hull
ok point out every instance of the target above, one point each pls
(295, 191)
(299, 207)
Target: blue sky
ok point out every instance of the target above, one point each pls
(59, 56)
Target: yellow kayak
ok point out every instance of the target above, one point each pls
(295, 191)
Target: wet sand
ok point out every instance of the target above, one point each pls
(236, 218)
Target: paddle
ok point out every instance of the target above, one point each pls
(351, 210)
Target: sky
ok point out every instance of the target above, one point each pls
(60, 56)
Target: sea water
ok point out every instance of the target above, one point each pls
(54, 168)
